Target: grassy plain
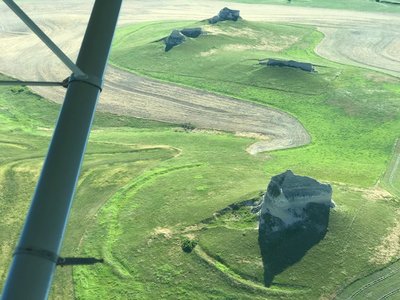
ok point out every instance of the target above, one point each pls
(353, 131)
(138, 176)
(353, 116)
(146, 186)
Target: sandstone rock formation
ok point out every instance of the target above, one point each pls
(178, 37)
(294, 217)
(174, 39)
(225, 14)
(288, 63)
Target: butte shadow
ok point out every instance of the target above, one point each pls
(294, 217)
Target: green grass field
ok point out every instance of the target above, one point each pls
(138, 176)
(147, 186)
(353, 133)
(374, 286)
(362, 5)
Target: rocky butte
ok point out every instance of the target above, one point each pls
(225, 14)
(178, 37)
(288, 63)
(294, 217)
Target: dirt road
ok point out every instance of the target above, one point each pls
(351, 37)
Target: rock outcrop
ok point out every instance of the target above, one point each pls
(225, 14)
(174, 39)
(178, 37)
(192, 32)
(294, 217)
(288, 63)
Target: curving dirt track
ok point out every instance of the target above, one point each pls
(351, 37)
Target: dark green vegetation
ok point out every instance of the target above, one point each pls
(188, 244)
(147, 186)
(363, 5)
(352, 114)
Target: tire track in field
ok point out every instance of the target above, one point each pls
(391, 172)
(9, 165)
(238, 279)
(374, 282)
(113, 206)
(394, 167)
(390, 294)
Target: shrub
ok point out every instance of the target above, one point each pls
(188, 245)
(17, 89)
(188, 127)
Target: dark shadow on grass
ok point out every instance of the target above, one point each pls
(282, 249)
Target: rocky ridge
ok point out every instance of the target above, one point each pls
(178, 37)
(225, 14)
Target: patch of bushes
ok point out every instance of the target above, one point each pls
(188, 127)
(188, 245)
(18, 90)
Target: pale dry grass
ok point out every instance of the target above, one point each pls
(163, 231)
(271, 43)
(190, 236)
(208, 53)
(233, 32)
(252, 135)
(389, 247)
(376, 193)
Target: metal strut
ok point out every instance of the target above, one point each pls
(32, 83)
(78, 74)
(38, 249)
(41, 35)
(92, 80)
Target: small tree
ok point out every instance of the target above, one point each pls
(188, 245)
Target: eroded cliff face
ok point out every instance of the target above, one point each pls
(294, 217)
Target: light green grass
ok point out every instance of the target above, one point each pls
(384, 281)
(328, 264)
(352, 127)
(375, 285)
(135, 178)
(144, 184)
(353, 130)
(166, 197)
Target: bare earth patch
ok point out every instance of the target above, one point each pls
(190, 236)
(164, 231)
(390, 246)
(252, 135)
(208, 53)
(272, 43)
(377, 193)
